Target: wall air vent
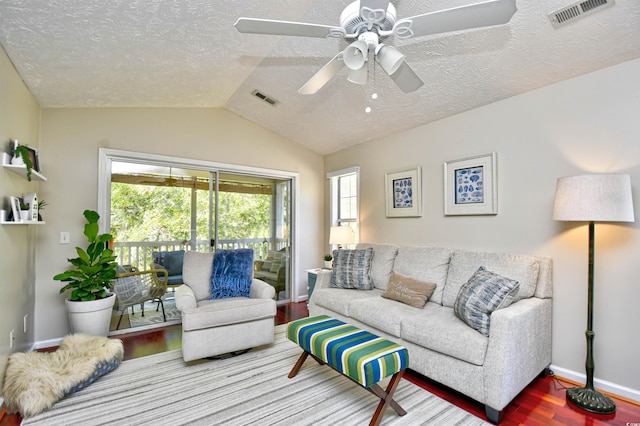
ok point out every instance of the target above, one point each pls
(568, 14)
(264, 97)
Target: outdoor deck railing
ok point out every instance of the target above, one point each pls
(139, 253)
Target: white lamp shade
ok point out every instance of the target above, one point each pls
(594, 198)
(355, 55)
(389, 58)
(340, 235)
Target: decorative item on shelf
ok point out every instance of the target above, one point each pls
(16, 204)
(592, 198)
(31, 200)
(23, 154)
(90, 303)
(41, 205)
(340, 235)
(328, 261)
(24, 211)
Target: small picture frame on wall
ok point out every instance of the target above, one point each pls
(471, 186)
(404, 193)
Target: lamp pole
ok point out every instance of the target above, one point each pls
(587, 397)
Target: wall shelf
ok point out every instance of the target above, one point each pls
(3, 220)
(21, 170)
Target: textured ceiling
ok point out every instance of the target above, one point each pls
(186, 53)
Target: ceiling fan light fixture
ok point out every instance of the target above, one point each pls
(389, 58)
(358, 76)
(355, 55)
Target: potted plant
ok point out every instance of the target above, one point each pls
(41, 205)
(21, 152)
(90, 279)
(24, 210)
(327, 261)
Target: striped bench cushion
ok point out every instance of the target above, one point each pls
(356, 353)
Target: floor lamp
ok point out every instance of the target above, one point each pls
(592, 198)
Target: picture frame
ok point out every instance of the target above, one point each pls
(403, 192)
(471, 186)
(15, 209)
(33, 156)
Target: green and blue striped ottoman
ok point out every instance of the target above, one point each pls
(358, 354)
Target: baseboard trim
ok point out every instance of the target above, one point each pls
(633, 395)
(47, 343)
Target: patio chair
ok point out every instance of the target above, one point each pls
(137, 287)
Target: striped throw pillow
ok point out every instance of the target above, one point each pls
(351, 269)
(484, 293)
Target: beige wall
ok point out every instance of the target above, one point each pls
(70, 139)
(19, 119)
(589, 124)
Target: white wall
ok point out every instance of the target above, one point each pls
(589, 124)
(19, 119)
(70, 139)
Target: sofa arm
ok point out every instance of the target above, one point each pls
(185, 298)
(323, 279)
(261, 290)
(519, 349)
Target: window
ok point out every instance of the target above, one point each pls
(345, 200)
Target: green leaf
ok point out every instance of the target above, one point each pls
(91, 231)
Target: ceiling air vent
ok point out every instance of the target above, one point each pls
(568, 14)
(264, 97)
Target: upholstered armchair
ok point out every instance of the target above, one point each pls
(213, 327)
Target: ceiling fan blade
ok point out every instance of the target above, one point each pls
(406, 78)
(323, 76)
(300, 29)
(494, 12)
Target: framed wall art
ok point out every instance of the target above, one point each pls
(403, 193)
(471, 186)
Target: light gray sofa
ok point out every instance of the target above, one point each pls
(219, 326)
(490, 369)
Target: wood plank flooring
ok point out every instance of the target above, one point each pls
(542, 403)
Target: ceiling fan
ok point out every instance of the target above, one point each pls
(368, 22)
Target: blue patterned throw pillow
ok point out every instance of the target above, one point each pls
(351, 269)
(232, 273)
(484, 293)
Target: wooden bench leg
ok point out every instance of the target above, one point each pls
(298, 365)
(386, 399)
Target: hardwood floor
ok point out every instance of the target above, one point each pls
(542, 403)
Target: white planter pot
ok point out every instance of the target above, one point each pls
(24, 215)
(91, 317)
(328, 264)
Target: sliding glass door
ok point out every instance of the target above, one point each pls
(158, 211)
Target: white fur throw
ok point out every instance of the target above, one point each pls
(34, 381)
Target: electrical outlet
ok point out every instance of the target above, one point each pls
(26, 323)
(11, 339)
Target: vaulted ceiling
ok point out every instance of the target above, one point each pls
(187, 53)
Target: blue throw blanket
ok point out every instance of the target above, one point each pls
(231, 273)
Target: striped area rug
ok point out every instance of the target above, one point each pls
(249, 389)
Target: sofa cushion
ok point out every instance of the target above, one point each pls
(484, 293)
(382, 314)
(351, 269)
(173, 262)
(339, 299)
(425, 264)
(408, 290)
(382, 262)
(518, 267)
(233, 310)
(197, 273)
(453, 337)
